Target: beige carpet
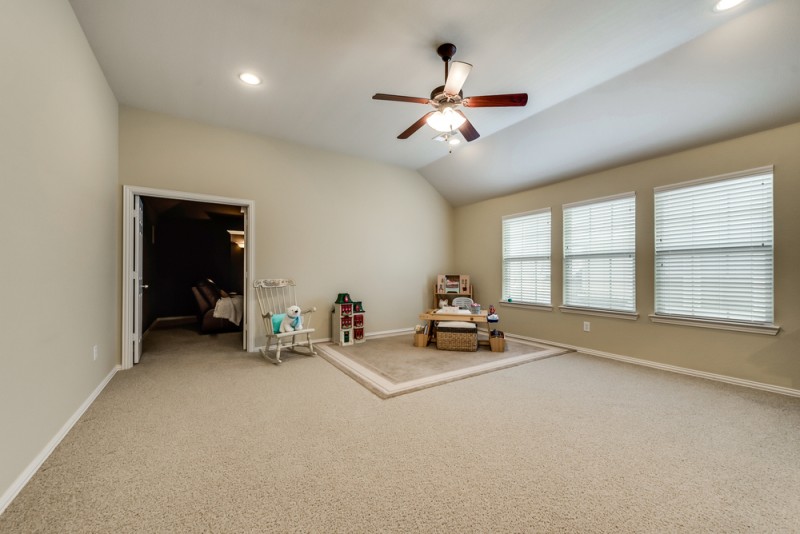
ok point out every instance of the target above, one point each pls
(390, 366)
(201, 437)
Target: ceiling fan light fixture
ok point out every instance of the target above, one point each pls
(445, 121)
(724, 5)
(451, 138)
(446, 99)
(249, 78)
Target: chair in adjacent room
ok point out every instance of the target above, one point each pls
(212, 317)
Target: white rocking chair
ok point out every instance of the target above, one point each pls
(274, 297)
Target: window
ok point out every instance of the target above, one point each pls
(526, 258)
(600, 254)
(714, 248)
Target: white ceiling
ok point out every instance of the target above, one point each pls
(609, 81)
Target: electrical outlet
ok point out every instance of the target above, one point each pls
(94, 352)
(587, 326)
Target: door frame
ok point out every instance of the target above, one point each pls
(138, 287)
(129, 194)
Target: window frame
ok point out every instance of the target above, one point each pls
(724, 323)
(543, 258)
(569, 305)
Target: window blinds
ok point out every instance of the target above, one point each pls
(600, 254)
(714, 248)
(526, 257)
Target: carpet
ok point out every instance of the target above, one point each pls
(390, 366)
(202, 437)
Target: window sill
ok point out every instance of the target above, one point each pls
(523, 305)
(630, 316)
(765, 329)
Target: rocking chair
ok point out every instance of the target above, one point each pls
(274, 297)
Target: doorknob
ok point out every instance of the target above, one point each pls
(145, 286)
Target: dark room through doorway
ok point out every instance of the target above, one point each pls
(192, 255)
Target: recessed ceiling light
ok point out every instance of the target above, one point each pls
(249, 78)
(724, 5)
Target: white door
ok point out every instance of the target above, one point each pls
(138, 233)
(245, 288)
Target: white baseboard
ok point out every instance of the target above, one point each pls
(386, 333)
(9, 495)
(671, 368)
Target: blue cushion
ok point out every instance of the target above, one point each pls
(276, 322)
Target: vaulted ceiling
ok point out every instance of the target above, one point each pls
(609, 81)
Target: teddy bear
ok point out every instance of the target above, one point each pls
(293, 320)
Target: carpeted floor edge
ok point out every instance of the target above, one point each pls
(385, 389)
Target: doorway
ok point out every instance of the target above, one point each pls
(165, 234)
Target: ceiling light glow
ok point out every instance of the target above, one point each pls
(446, 120)
(724, 5)
(249, 78)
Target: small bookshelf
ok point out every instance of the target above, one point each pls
(450, 286)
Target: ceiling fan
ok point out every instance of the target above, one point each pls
(447, 98)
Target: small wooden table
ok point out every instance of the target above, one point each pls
(477, 318)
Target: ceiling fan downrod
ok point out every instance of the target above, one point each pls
(446, 51)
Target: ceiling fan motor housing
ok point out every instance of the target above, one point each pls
(438, 96)
(446, 51)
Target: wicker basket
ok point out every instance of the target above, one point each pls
(460, 338)
(420, 340)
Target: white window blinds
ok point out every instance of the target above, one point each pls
(714, 248)
(526, 258)
(600, 254)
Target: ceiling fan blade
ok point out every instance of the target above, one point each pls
(398, 98)
(456, 77)
(467, 129)
(416, 126)
(496, 101)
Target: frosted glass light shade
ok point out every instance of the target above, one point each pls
(445, 121)
(724, 5)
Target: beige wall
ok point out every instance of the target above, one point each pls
(766, 359)
(333, 223)
(58, 167)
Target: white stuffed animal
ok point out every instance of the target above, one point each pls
(293, 320)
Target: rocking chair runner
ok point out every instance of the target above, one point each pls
(275, 295)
